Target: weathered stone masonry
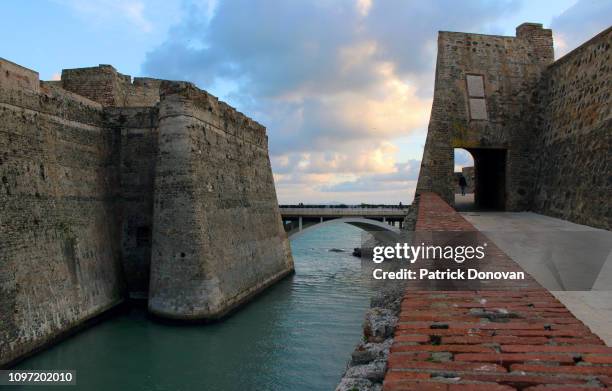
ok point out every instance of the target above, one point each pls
(541, 140)
(575, 136)
(226, 204)
(59, 257)
(108, 184)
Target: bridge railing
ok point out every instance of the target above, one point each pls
(343, 206)
(339, 212)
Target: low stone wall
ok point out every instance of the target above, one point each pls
(510, 335)
(507, 336)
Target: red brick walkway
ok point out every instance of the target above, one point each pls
(508, 336)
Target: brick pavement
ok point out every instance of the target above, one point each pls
(511, 335)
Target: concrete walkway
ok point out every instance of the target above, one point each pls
(572, 261)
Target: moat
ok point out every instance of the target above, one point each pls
(298, 335)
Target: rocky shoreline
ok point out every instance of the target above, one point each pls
(368, 364)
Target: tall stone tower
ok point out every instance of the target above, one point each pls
(484, 101)
(218, 238)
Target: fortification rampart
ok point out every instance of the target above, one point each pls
(575, 138)
(60, 257)
(98, 176)
(204, 273)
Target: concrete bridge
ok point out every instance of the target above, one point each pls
(375, 220)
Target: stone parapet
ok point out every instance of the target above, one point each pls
(108, 87)
(16, 77)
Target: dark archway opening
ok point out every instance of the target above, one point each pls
(488, 176)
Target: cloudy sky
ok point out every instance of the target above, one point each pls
(343, 86)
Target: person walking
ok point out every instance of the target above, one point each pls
(462, 184)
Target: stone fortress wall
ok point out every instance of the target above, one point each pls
(226, 204)
(95, 184)
(59, 255)
(539, 131)
(574, 158)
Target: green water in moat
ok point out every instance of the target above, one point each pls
(298, 335)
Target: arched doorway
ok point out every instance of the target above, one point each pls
(488, 174)
(463, 168)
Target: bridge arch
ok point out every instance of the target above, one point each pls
(378, 229)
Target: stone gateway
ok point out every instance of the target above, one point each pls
(539, 130)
